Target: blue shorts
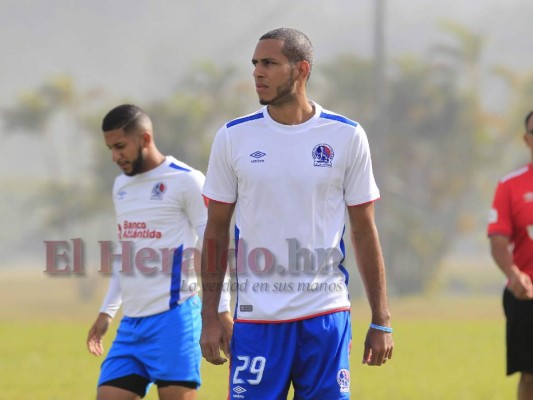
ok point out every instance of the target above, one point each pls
(312, 353)
(162, 347)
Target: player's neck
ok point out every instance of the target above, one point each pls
(153, 160)
(292, 113)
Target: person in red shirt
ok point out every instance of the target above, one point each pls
(510, 230)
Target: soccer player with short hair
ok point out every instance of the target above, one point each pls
(291, 171)
(510, 230)
(160, 216)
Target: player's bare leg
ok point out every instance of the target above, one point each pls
(525, 386)
(114, 393)
(177, 393)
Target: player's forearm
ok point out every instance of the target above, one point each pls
(214, 264)
(499, 246)
(372, 270)
(506, 265)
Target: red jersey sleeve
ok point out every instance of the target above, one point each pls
(500, 221)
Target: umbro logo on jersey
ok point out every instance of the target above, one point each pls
(121, 194)
(257, 155)
(528, 197)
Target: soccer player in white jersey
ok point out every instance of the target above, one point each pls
(160, 216)
(291, 171)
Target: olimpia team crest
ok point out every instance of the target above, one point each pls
(323, 155)
(343, 379)
(158, 191)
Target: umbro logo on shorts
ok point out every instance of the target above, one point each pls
(239, 389)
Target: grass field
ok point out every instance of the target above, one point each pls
(445, 348)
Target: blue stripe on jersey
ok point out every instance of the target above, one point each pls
(175, 166)
(175, 278)
(339, 118)
(343, 250)
(237, 234)
(244, 119)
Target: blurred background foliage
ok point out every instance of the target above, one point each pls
(437, 148)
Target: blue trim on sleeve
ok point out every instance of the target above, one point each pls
(244, 119)
(338, 118)
(175, 166)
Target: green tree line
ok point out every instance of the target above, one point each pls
(436, 150)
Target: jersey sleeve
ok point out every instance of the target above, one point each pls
(221, 180)
(225, 294)
(194, 205)
(500, 214)
(113, 299)
(359, 183)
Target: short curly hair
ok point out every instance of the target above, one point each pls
(127, 117)
(296, 45)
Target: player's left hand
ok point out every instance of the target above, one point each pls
(378, 347)
(213, 340)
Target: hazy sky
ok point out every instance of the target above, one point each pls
(138, 48)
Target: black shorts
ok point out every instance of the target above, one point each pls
(519, 333)
(139, 384)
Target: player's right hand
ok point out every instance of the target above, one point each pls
(96, 333)
(521, 286)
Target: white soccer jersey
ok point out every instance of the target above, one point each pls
(291, 185)
(157, 214)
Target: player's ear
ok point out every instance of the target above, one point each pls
(528, 140)
(304, 68)
(146, 138)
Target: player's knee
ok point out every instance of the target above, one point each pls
(527, 378)
(130, 387)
